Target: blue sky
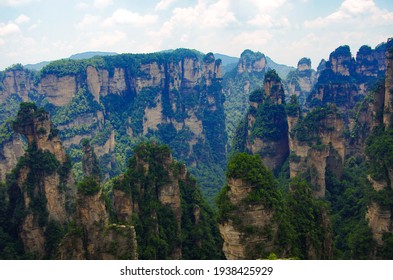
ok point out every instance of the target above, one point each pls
(286, 30)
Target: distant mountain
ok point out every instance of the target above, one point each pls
(281, 69)
(228, 62)
(85, 55)
(37, 66)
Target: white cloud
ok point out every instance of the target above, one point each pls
(88, 20)
(164, 4)
(82, 6)
(217, 14)
(101, 4)
(253, 39)
(9, 28)
(104, 40)
(17, 3)
(22, 19)
(268, 21)
(123, 16)
(359, 12)
(196, 18)
(267, 6)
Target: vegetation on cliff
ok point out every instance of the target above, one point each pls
(298, 228)
(166, 231)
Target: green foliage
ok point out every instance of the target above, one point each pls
(82, 103)
(6, 132)
(54, 233)
(198, 240)
(379, 149)
(9, 108)
(305, 214)
(89, 186)
(270, 122)
(349, 199)
(308, 129)
(272, 76)
(257, 96)
(65, 67)
(293, 107)
(224, 205)
(251, 169)
(200, 236)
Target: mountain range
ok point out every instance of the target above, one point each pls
(185, 155)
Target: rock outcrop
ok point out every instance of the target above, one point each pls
(316, 141)
(265, 129)
(10, 151)
(238, 243)
(159, 195)
(168, 95)
(248, 221)
(42, 183)
(301, 81)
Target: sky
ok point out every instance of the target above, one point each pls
(32, 31)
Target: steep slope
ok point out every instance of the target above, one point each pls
(258, 221)
(159, 196)
(41, 187)
(264, 130)
(301, 81)
(118, 100)
(246, 77)
(153, 211)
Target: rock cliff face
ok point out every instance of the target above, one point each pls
(239, 83)
(255, 219)
(10, 152)
(94, 236)
(238, 244)
(265, 130)
(159, 196)
(301, 81)
(379, 213)
(42, 183)
(388, 103)
(171, 96)
(248, 223)
(316, 141)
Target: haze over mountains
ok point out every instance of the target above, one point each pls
(297, 161)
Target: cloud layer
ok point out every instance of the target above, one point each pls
(285, 30)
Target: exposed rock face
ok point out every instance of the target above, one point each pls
(94, 237)
(265, 130)
(301, 82)
(341, 61)
(148, 93)
(16, 81)
(10, 152)
(237, 243)
(159, 193)
(379, 216)
(43, 180)
(312, 150)
(343, 80)
(58, 90)
(251, 62)
(388, 107)
(379, 220)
